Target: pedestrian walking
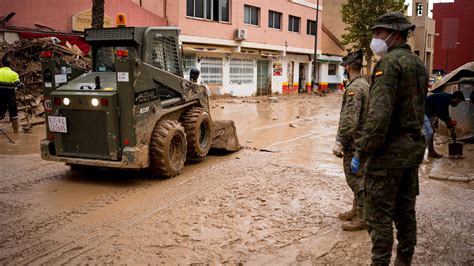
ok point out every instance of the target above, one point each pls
(9, 81)
(393, 141)
(351, 123)
(437, 106)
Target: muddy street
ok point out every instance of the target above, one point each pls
(275, 202)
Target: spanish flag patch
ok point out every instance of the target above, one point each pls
(378, 73)
(351, 93)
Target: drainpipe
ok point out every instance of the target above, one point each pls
(165, 12)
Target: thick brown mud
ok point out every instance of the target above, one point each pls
(274, 202)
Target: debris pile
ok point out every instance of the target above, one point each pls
(25, 57)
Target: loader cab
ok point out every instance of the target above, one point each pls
(157, 46)
(106, 55)
(110, 44)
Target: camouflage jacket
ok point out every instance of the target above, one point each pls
(355, 104)
(392, 135)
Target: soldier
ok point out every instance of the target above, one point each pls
(392, 140)
(9, 81)
(351, 123)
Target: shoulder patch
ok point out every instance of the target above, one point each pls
(351, 93)
(379, 73)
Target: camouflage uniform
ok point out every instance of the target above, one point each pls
(393, 141)
(351, 123)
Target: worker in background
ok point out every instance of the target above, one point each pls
(194, 77)
(393, 141)
(437, 106)
(351, 123)
(9, 81)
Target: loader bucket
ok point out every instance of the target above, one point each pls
(224, 136)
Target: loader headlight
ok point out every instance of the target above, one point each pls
(66, 101)
(95, 102)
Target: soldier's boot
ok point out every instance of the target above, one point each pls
(15, 125)
(358, 223)
(349, 215)
(401, 261)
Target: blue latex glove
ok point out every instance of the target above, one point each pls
(355, 164)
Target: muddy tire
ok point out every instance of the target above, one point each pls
(167, 149)
(198, 127)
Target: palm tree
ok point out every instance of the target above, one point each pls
(98, 14)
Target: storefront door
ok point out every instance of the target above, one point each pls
(263, 77)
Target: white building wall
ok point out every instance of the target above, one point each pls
(331, 79)
(323, 71)
(277, 81)
(309, 72)
(240, 90)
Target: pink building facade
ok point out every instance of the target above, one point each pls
(58, 14)
(253, 47)
(242, 47)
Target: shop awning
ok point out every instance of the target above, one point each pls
(269, 53)
(206, 48)
(260, 52)
(466, 70)
(329, 58)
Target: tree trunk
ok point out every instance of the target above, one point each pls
(98, 14)
(369, 64)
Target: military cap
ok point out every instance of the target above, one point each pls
(393, 21)
(351, 57)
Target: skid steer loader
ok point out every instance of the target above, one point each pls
(133, 110)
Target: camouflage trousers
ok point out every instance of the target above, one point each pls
(355, 183)
(390, 198)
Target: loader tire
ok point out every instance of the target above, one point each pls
(198, 127)
(167, 149)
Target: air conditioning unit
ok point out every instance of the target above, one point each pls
(240, 34)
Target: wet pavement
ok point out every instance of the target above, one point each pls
(274, 202)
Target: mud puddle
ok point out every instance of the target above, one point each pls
(25, 142)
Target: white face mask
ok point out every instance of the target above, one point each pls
(378, 46)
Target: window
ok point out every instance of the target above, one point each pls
(251, 15)
(241, 71)
(211, 70)
(225, 10)
(105, 57)
(419, 9)
(294, 24)
(195, 8)
(311, 27)
(274, 20)
(332, 69)
(189, 61)
(217, 10)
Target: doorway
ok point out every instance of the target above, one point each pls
(302, 78)
(263, 77)
(291, 67)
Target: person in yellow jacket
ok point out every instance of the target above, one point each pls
(9, 81)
